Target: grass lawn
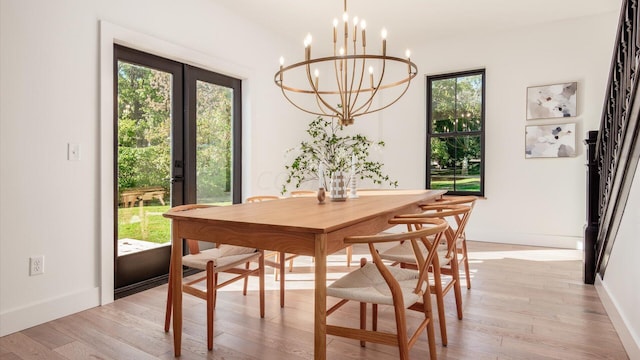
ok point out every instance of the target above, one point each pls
(465, 184)
(146, 223)
(150, 225)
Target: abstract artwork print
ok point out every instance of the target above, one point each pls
(551, 101)
(550, 141)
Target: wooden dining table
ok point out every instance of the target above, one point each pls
(297, 225)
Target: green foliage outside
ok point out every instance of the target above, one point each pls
(144, 146)
(144, 124)
(214, 136)
(329, 146)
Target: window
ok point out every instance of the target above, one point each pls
(455, 132)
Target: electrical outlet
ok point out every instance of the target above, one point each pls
(36, 265)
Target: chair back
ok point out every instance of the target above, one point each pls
(458, 200)
(302, 193)
(459, 214)
(425, 230)
(193, 245)
(259, 198)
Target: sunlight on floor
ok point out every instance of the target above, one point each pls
(302, 277)
(531, 255)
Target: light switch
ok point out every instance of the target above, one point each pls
(73, 152)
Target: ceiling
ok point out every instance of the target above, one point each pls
(411, 20)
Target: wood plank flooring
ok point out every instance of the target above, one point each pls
(525, 303)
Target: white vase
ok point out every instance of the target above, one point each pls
(339, 186)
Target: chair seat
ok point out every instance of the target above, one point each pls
(223, 257)
(403, 253)
(367, 285)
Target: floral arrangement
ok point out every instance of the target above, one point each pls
(332, 151)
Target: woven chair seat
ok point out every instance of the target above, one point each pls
(367, 285)
(403, 253)
(224, 257)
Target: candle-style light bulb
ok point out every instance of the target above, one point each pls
(317, 75)
(355, 29)
(341, 51)
(335, 30)
(408, 53)
(281, 61)
(307, 47)
(363, 26)
(384, 41)
(345, 18)
(371, 76)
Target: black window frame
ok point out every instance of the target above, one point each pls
(455, 133)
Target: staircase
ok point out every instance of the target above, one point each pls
(616, 150)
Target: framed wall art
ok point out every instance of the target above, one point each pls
(550, 141)
(551, 101)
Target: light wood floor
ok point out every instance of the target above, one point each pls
(525, 303)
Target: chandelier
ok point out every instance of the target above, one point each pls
(346, 93)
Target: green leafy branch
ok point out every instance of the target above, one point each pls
(333, 150)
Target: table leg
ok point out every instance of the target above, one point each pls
(320, 319)
(176, 277)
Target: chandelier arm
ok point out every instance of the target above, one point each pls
(320, 101)
(345, 89)
(344, 71)
(350, 104)
(341, 85)
(299, 108)
(338, 60)
(406, 80)
(355, 101)
(315, 91)
(413, 70)
(391, 103)
(369, 101)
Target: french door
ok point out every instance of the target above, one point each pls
(178, 141)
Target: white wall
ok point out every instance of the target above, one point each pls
(528, 201)
(54, 91)
(51, 74)
(620, 287)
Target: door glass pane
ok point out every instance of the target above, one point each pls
(214, 139)
(144, 140)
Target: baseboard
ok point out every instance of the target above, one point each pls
(37, 313)
(631, 345)
(555, 241)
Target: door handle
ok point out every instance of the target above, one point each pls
(176, 179)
